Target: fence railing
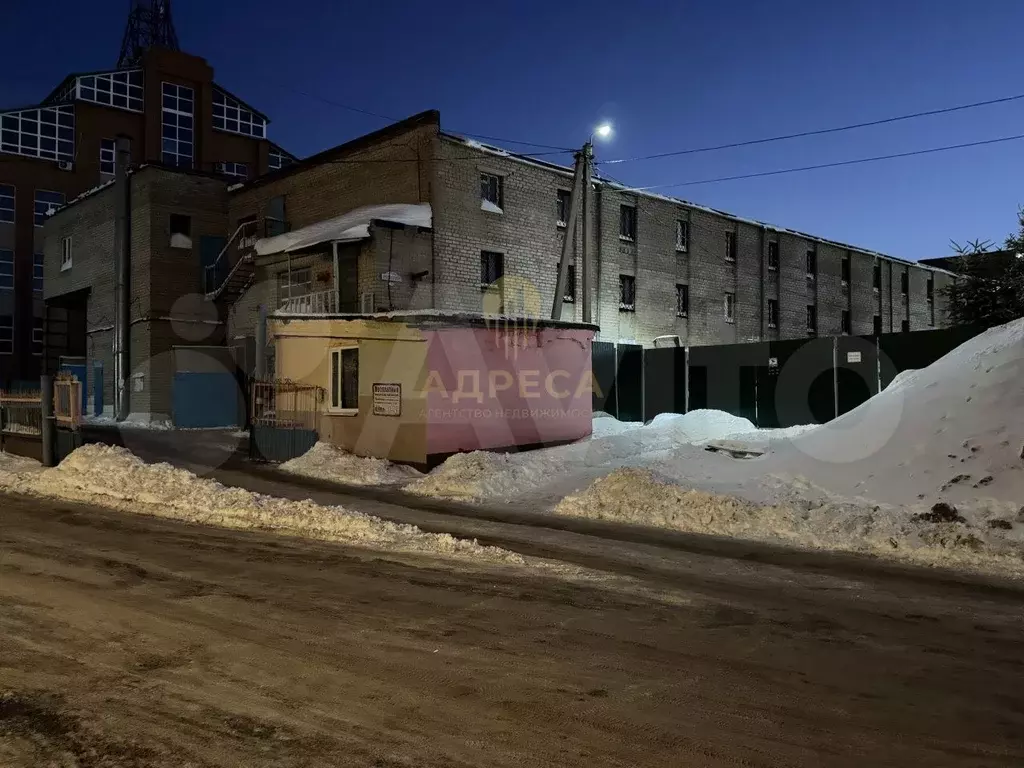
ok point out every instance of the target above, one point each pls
(21, 413)
(285, 404)
(319, 303)
(67, 401)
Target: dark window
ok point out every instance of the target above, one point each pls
(682, 300)
(930, 289)
(294, 284)
(730, 246)
(812, 263)
(6, 335)
(490, 189)
(773, 313)
(275, 220)
(492, 267)
(812, 318)
(846, 269)
(177, 130)
(877, 277)
(878, 325)
(682, 235)
(569, 294)
(345, 377)
(904, 326)
(562, 207)
(847, 323)
(181, 225)
(627, 222)
(37, 336)
(904, 283)
(45, 203)
(773, 255)
(627, 293)
(729, 307)
(108, 151)
(37, 272)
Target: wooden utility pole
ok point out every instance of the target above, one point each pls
(570, 236)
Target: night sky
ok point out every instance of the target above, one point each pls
(668, 75)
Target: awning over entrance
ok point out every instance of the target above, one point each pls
(354, 225)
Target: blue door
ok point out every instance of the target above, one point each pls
(205, 400)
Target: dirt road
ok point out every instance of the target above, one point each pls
(129, 641)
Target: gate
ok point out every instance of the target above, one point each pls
(284, 419)
(76, 366)
(205, 392)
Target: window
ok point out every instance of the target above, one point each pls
(730, 246)
(345, 379)
(278, 158)
(564, 197)
(729, 307)
(234, 170)
(904, 282)
(294, 284)
(930, 289)
(181, 231)
(846, 270)
(6, 270)
(682, 300)
(812, 318)
(491, 197)
(37, 336)
(773, 313)
(108, 150)
(65, 254)
(877, 277)
(847, 322)
(275, 221)
(177, 138)
(492, 267)
(122, 89)
(6, 335)
(878, 325)
(904, 326)
(627, 293)
(812, 264)
(569, 294)
(627, 222)
(37, 272)
(47, 133)
(233, 116)
(46, 203)
(773, 255)
(6, 203)
(682, 235)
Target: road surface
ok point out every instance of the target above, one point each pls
(128, 641)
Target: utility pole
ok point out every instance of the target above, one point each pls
(569, 239)
(588, 273)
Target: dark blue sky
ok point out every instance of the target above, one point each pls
(669, 75)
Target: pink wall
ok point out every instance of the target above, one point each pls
(485, 392)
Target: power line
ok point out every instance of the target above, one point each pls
(830, 165)
(820, 132)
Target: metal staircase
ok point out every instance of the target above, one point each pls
(234, 269)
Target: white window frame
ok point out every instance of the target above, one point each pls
(234, 170)
(66, 254)
(172, 118)
(682, 235)
(278, 159)
(7, 345)
(6, 209)
(232, 116)
(108, 157)
(335, 385)
(729, 307)
(4, 275)
(38, 266)
(122, 89)
(44, 132)
(38, 337)
(486, 203)
(51, 205)
(289, 281)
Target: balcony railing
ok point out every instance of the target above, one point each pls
(319, 303)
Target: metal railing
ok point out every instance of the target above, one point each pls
(285, 404)
(67, 401)
(217, 274)
(318, 303)
(21, 413)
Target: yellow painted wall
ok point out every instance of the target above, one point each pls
(389, 352)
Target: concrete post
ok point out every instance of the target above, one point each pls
(49, 423)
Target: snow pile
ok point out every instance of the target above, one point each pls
(701, 426)
(12, 466)
(113, 477)
(328, 462)
(605, 425)
(974, 540)
(483, 475)
(351, 226)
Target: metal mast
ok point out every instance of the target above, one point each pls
(149, 26)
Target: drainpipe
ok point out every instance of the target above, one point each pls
(122, 261)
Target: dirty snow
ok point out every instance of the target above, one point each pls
(328, 462)
(113, 477)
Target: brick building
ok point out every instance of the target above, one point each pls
(662, 266)
(167, 104)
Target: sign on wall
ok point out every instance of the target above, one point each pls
(387, 399)
(853, 357)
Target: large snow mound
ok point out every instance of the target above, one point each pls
(328, 462)
(482, 475)
(702, 425)
(915, 534)
(113, 477)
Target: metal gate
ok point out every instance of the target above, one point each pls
(283, 420)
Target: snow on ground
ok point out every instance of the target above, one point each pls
(113, 477)
(328, 462)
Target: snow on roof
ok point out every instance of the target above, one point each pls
(354, 225)
(618, 186)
